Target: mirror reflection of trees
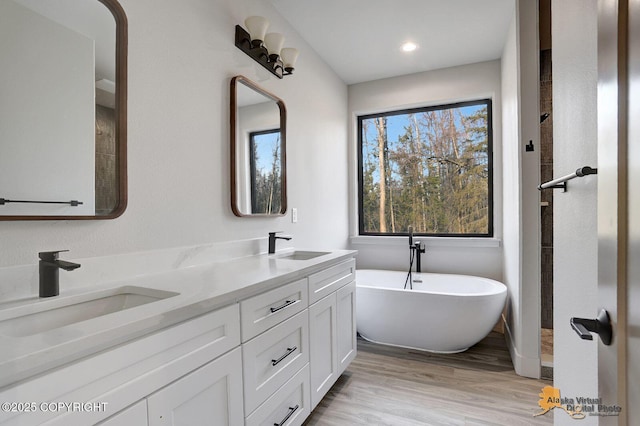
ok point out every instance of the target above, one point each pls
(428, 168)
(266, 172)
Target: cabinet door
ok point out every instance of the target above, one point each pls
(322, 345)
(210, 395)
(134, 415)
(346, 314)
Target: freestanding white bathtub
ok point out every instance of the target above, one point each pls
(444, 313)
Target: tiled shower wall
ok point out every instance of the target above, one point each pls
(546, 197)
(106, 184)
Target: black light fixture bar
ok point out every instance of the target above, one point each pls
(258, 53)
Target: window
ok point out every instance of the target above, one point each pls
(265, 162)
(429, 168)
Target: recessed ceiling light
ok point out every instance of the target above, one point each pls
(409, 46)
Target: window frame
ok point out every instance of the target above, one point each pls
(490, 163)
(252, 162)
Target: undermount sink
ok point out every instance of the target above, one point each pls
(59, 312)
(303, 255)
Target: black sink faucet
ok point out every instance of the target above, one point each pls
(272, 241)
(49, 266)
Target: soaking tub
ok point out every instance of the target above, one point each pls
(443, 313)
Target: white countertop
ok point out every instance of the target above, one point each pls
(202, 288)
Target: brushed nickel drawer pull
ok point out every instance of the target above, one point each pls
(275, 362)
(289, 414)
(287, 303)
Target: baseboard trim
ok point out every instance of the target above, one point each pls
(526, 367)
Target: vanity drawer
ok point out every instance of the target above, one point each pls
(290, 406)
(329, 280)
(272, 358)
(265, 310)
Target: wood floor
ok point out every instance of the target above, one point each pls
(398, 387)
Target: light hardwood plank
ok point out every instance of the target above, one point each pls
(396, 387)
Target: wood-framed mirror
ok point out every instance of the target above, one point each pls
(258, 151)
(63, 79)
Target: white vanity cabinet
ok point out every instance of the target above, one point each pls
(294, 352)
(261, 312)
(332, 326)
(289, 406)
(210, 395)
(346, 330)
(263, 359)
(275, 353)
(324, 352)
(329, 280)
(146, 370)
(272, 358)
(134, 415)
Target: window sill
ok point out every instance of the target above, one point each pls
(472, 242)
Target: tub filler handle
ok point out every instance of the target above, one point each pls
(284, 305)
(289, 414)
(600, 326)
(275, 362)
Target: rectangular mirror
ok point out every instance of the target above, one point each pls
(258, 150)
(63, 109)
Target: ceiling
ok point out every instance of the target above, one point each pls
(361, 39)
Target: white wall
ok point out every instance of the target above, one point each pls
(529, 52)
(181, 59)
(521, 120)
(574, 56)
(45, 154)
(483, 257)
(512, 239)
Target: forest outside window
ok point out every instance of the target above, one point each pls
(427, 168)
(266, 171)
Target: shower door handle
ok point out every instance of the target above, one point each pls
(601, 325)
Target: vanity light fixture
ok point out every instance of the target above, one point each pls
(266, 49)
